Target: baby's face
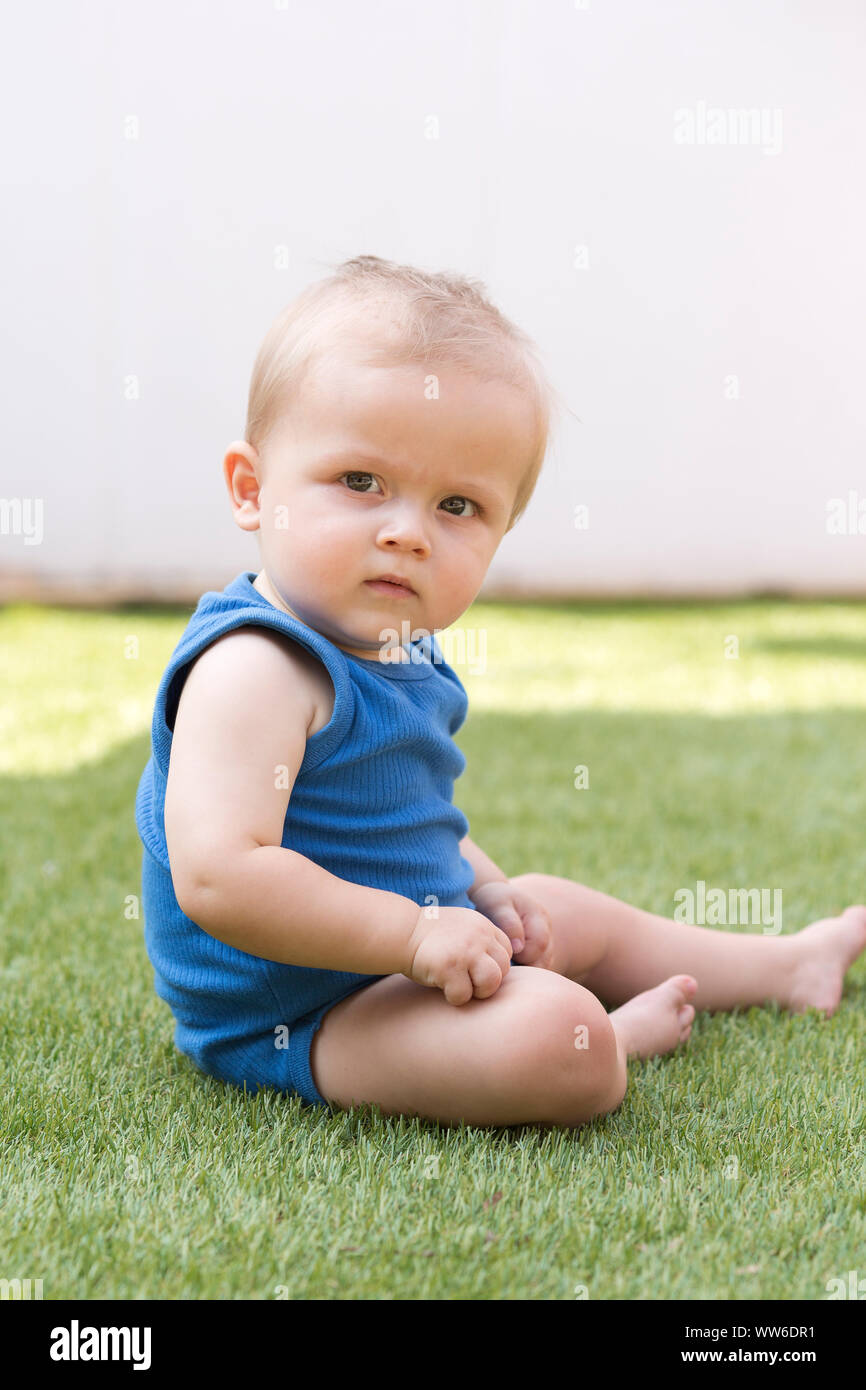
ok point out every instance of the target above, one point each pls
(368, 477)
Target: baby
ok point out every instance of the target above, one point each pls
(316, 914)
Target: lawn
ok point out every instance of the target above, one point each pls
(734, 1169)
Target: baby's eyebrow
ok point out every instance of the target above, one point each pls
(362, 456)
(354, 456)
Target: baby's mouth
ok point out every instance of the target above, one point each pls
(390, 587)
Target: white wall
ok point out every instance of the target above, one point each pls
(305, 125)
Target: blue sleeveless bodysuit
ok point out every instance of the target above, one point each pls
(372, 803)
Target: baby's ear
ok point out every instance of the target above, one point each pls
(242, 471)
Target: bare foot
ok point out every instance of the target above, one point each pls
(825, 951)
(656, 1020)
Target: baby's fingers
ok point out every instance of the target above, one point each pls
(539, 938)
(478, 978)
(506, 917)
(458, 988)
(488, 972)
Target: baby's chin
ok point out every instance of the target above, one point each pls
(388, 630)
(366, 632)
(364, 623)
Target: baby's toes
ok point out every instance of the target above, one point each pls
(685, 987)
(685, 1018)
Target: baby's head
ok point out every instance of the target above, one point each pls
(397, 425)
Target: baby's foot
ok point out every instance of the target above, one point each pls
(655, 1021)
(825, 951)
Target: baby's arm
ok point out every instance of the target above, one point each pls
(524, 920)
(243, 715)
(485, 869)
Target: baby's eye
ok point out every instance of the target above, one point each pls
(354, 476)
(464, 500)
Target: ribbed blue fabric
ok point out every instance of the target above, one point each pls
(372, 803)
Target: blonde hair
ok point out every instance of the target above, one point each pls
(409, 315)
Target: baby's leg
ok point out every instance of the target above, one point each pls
(616, 951)
(541, 1049)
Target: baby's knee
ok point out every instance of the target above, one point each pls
(571, 1059)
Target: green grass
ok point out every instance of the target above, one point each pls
(734, 1168)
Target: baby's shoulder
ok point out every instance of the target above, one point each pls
(267, 668)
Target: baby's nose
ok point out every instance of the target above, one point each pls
(406, 528)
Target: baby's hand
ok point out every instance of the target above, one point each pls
(459, 951)
(523, 920)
